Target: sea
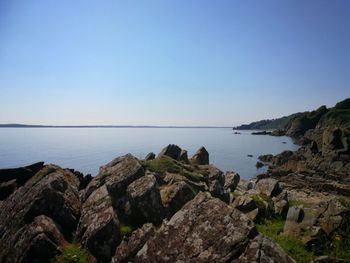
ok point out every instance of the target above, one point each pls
(86, 149)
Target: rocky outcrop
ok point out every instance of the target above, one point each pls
(201, 157)
(172, 150)
(262, 249)
(145, 201)
(52, 192)
(127, 250)
(150, 156)
(269, 187)
(98, 229)
(231, 181)
(204, 230)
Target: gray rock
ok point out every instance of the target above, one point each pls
(294, 217)
(172, 151)
(268, 186)
(183, 157)
(127, 250)
(231, 181)
(201, 157)
(98, 228)
(145, 201)
(204, 230)
(150, 156)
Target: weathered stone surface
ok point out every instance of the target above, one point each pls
(38, 241)
(244, 203)
(174, 196)
(183, 157)
(294, 217)
(7, 188)
(333, 217)
(116, 175)
(263, 250)
(150, 156)
(52, 192)
(204, 230)
(172, 150)
(145, 201)
(268, 186)
(98, 228)
(127, 250)
(231, 181)
(280, 203)
(201, 157)
(22, 174)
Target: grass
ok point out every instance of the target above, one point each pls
(296, 202)
(126, 230)
(167, 164)
(272, 228)
(72, 253)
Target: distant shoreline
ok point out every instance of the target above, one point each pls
(104, 126)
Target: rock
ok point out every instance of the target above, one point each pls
(268, 186)
(259, 165)
(250, 155)
(127, 250)
(266, 158)
(231, 181)
(116, 175)
(261, 133)
(314, 147)
(183, 156)
(280, 204)
(333, 217)
(332, 141)
(176, 195)
(38, 241)
(172, 150)
(262, 249)
(278, 132)
(22, 174)
(204, 230)
(145, 201)
(98, 228)
(52, 192)
(201, 157)
(244, 203)
(294, 217)
(83, 180)
(327, 259)
(150, 156)
(215, 180)
(7, 188)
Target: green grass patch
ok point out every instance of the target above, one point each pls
(296, 202)
(73, 253)
(126, 230)
(273, 228)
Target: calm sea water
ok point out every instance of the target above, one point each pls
(86, 149)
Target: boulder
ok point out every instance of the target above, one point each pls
(174, 196)
(231, 181)
(201, 157)
(116, 175)
(261, 249)
(150, 156)
(145, 201)
(7, 188)
(244, 203)
(127, 250)
(183, 157)
(268, 186)
(280, 204)
(21, 174)
(99, 228)
(294, 217)
(333, 217)
(38, 241)
(204, 230)
(52, 192)
(172, 150)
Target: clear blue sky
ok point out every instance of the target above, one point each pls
(182, 62)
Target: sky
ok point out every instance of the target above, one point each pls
(183, 62)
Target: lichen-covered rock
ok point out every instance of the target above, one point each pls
(38, 241)
(53, 192)
(145, 201)
(268, 186)
(201, 157)
(116, 175)
(204, 230)
(294, 217)
(98, 228)
(174, 196)
(263, 250)
(127, 250)
(172, 150)
(244, 203)
(231, 181)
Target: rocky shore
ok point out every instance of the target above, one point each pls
(165, 208)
